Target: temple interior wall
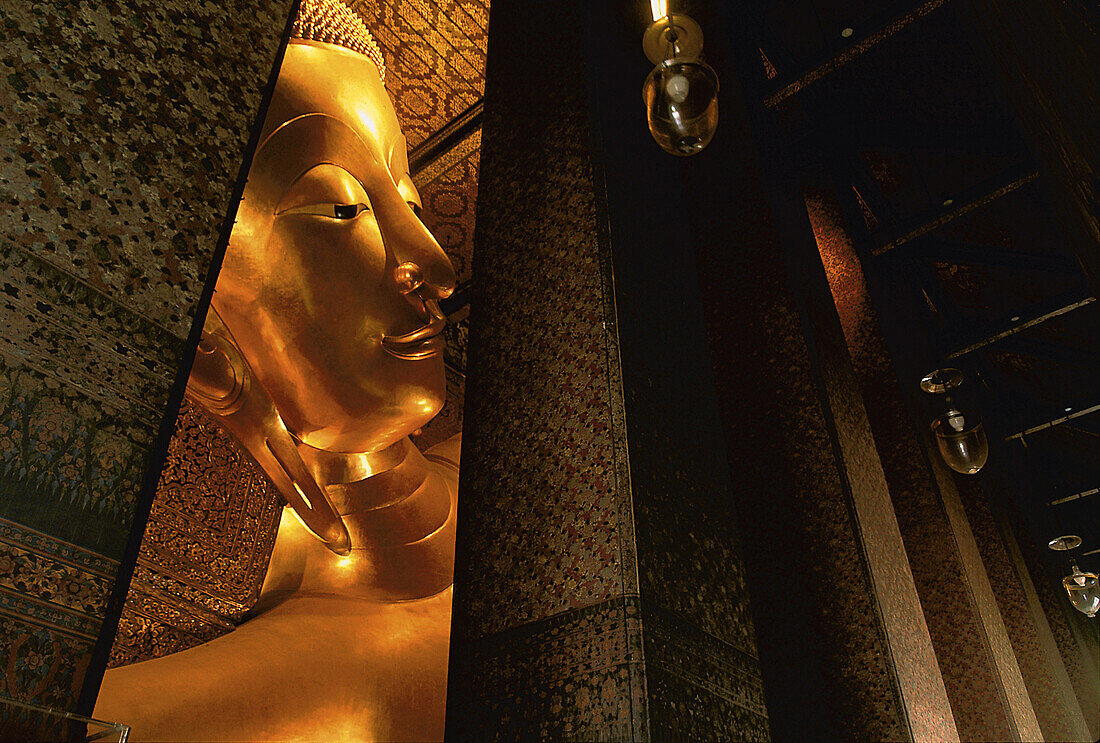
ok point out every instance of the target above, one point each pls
(124, 129)
(123, 137)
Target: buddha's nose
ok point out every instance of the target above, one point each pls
(409, 242)
(422, 266)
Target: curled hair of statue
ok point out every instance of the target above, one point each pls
(332, 22)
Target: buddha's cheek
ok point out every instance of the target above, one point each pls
(333, 265)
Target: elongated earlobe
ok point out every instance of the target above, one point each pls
(222, 384)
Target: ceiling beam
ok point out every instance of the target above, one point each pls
(1057, 352)
(451, 134)
(881, 28)
(1036, 315)
(962, 204)
(1053, 423)
(1075, 496)
(941, 250)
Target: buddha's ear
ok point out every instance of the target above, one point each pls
(220, 376)
(222, 384)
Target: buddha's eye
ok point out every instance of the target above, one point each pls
(335, 211)
(348, 211)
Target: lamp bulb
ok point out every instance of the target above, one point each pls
(677, 88)
(681, 100)
(956, 420)
(1083, 591)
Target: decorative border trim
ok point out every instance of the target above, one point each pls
(73, 555)
(31, 611)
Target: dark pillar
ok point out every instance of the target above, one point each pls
(843, 645)
(598, 590)
(984, 684)
(1059, 713)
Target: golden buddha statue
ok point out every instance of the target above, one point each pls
(321, 353)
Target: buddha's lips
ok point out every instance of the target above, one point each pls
(423, 342)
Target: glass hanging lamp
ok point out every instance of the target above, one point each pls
(960, 436)
(1083, 588)
(681, 93)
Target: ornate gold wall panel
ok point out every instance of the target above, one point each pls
(435, 57)
(206, 546)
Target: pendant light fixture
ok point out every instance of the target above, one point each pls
(1081, 587)
(681, 93)
(959, 434)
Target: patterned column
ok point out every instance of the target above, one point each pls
(598, 590)
(122, 129)
(980, 673)
(844, 648)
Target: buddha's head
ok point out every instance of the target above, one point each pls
(330, 285)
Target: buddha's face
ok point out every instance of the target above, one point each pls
(330, 283)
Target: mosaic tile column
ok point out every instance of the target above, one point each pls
(598, 590)
(1065, 663)
(1004, 676)
(1049, 689)
(982, 678)
(122, 132)
(844, 647)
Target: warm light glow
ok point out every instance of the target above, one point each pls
(304, 497)
(294, 513)
(660, 9)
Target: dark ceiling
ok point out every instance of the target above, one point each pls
(908, 110)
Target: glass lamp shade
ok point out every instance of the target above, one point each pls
(961, 440)
(681, 100)
(1083, 591)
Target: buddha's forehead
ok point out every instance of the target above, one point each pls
(327, 79)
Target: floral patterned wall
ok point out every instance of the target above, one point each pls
(122, 132)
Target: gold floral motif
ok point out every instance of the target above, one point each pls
(205, 548)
